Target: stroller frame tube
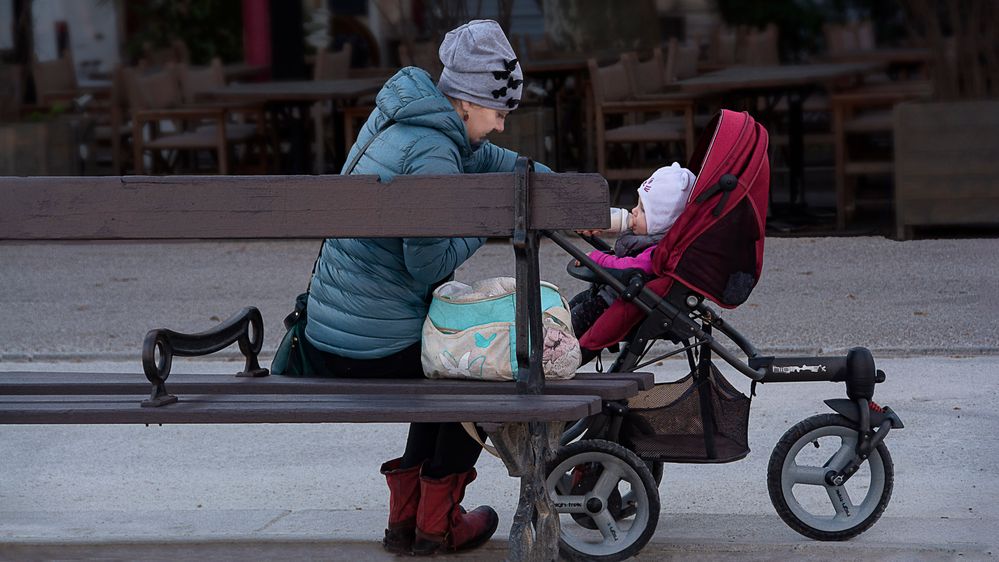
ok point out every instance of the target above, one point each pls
(856, 368)
(642, 300)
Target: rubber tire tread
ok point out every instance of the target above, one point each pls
(776, 464)
(648, 482)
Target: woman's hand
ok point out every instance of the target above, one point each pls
(590, 232)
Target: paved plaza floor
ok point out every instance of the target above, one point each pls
(265, 492)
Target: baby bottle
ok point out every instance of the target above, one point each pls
(620, 220)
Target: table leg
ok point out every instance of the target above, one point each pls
(796, 148)
(298, 117)
(526, 448)
(558, 144)
(589, 122)
(319, 165)
(338, 120)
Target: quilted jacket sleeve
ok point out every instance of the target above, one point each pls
(429, 260)
(492, 158)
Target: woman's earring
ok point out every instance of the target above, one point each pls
(465, 117)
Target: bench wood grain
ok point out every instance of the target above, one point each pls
(55, 383)
(269, 207)
(297, 408)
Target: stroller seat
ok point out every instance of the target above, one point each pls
(715, 248)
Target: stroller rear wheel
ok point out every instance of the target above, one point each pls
(610, 492)
(800, 493)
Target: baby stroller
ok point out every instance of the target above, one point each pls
(830, 476)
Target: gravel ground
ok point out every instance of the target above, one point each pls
(62, 301)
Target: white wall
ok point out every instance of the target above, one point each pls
(93, 32)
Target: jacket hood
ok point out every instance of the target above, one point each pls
(411, 97)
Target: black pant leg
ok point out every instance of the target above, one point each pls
(456, 451)
(445, 447)
(421, 444)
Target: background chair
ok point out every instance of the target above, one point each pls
(174, 53)
(850, 37)
(624, 129)
(177, 134)
(723, 50)
(681, 60)
(55, 81)
(243, 122)
(864, 136)
(333, 66)
(113, 129)
(760, 47)
(336, 66)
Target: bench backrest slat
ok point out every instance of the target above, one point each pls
(214, 207)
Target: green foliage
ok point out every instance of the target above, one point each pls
(55, 110)
(209, 28)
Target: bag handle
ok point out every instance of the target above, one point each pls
(469, 428)
(347, 171)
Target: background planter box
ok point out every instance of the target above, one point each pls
(946, 164)
(44, 148)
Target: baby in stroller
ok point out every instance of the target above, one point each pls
(661, 199)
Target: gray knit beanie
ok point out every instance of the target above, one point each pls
(480, 66)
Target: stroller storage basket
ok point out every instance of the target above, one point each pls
(697, 419)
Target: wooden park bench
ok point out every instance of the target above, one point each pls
(523, 419)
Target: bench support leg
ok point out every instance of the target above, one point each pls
(526, 449)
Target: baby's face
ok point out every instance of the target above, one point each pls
(638, 224)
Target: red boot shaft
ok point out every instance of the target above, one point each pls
(441, 522)
(404, 499)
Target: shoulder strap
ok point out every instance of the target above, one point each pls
(346, 172)
(357, 157)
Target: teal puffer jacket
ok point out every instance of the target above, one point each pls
(369, 296)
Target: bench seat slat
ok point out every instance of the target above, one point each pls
(26, 383)
(295, 408)
(645, 381)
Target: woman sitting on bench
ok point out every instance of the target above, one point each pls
(369, 297)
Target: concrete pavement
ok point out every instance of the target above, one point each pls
(927, 308)
(315, 489)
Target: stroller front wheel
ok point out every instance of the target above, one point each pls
(810, 505)
(610, 493)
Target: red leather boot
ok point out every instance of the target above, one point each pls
(404, 499)
(442, 525)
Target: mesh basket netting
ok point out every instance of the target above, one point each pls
(668, 422)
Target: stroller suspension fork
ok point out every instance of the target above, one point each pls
(857, 370)
(873, 424)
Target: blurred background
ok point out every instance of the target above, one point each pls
(883, 115)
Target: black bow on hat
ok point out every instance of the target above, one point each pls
(512, 84)
(504, 74)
